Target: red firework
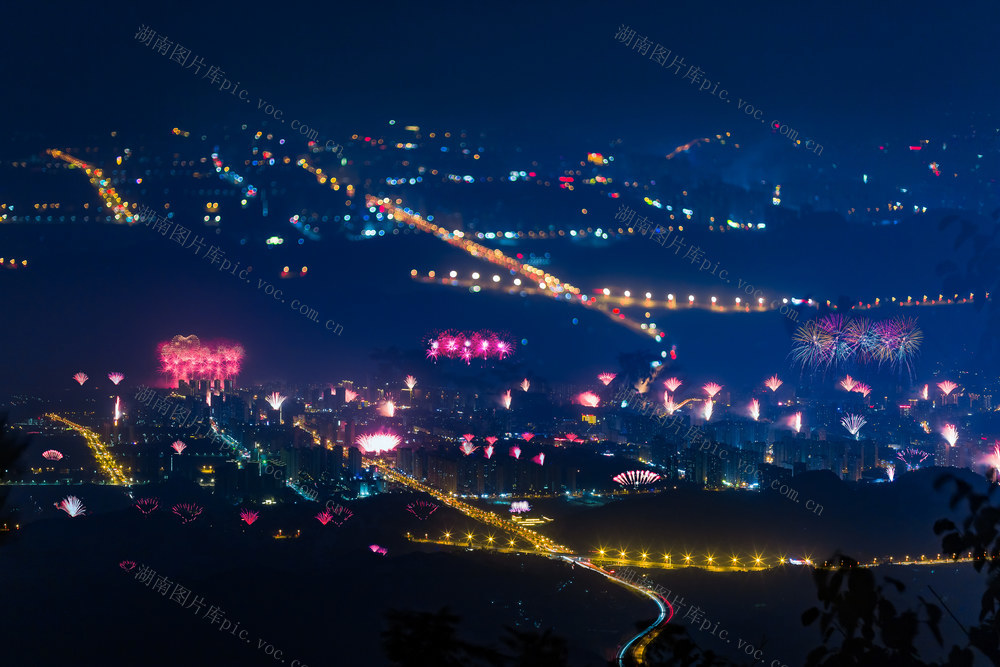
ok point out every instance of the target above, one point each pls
(147, 505)
(947, 387)
(52, 455)
(324, 517)
(127, 565)
(422, 509)
(492, 440)
(468, 345)
(636, 478)
(188, 512)
(186, 358)
(773, 383)
(672, 384)
(606, 378)
(377, 443)
(540, 459)
(712, 389)
(81, 378)
(468, 436)
(515, 452)
(489, 452)
(179, 446)
(339, 515)
(588, 399)
(249, 516)
(467, 448)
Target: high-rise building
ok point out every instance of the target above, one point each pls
(353, 462)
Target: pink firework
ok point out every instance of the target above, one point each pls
(912, 457)
(118, 408)
(127, 565)
(606, 378)
(890, 471)
(422, 509)
(712, 389)
(848, 383)
(540, 459)
(796, 422)
(466, 345)
(947, 387)
(388, 409)
(773, 383)
(491, 440)
(81, 378)
(468, 436)
(527, 436)
(950, 434)
(706, 412)
(147, 505)
(520, 507)
(116, 377)
(588, 399)
(52, 455)
(410, 382)
(324, 517)
(188, 512)
(377, 443)
(993, 459)
(349, 395)
(179, 446)
(467, 448)
(515, 452)
(636, 478)
(924, 392)
(525, 384)
(249, 516)
(339, 515)
(672, 384)
(379, 550)
(573, 437)
(275, 400)
(186, 358)
(755, 409)
(862, 389)
(432, 353)
(488, 452)
(507, 399)
(72, 506)
(668, 403)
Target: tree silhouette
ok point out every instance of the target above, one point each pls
(429, 639)
(532, 649)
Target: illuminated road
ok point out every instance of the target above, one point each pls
(111, 468)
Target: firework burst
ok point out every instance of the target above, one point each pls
(179, 446)
(636, 478)
(848, 383)
(127, 565)
(381, 551)
(466, 346)
(349, 395)
(924, 392)
(853, 424)
(672, 384)
(81, 378)
(467, 448)
(773, 383)
(339, 515)
(515, 451)
(506, 400)
(588, 399)
(490, 439)
(387, 409)
(525, 384)
(52, 455)
(668, 403)
(147, 505)
(947, 387)
(72, 506)
(890, 471)
(796, 422)
(116, 377)
(378, 443)
(912, 457)
(324, 517)
(422, 509)
(188, 512)
(606, 378)
(950, 434)
(712, 389)
(526, 437)
(520, 507)
(488, 451)
(275, 400)
(862, 388)
(410, 382)
(540, 459)
(249, 516)
(755, 409)
(706, 411)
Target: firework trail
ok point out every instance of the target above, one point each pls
(672, 384)
(488, 452)
(525, 384)
(379, 550)
(81, 378)
(950, 434)
(796, 422)
(755, 409)
(947, 387)
(912, 457)
(118, 408)
(52, 455)
(636, 478)
(773, 383)
(249, 517)
(275, 400)
(668, 404)
(862, 389)
(116, 377)
(388, 409)
(72, 506)
(507, 400)
(526, 437)
(377, 443)
(515, 451)
(339, 515)
(127, 565)
(179, 446)
(349, 395)
(588, 399)
(422, 509)
(324, 517)
(848, 383)
(891, 472)
(147, 505)
(923, 393)
(520, 506)
(410, 382)
(853, 424)
(467, 448)
(468, 436)
(606, 378)
(540, 459)
(188, 512)
(706, 412)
